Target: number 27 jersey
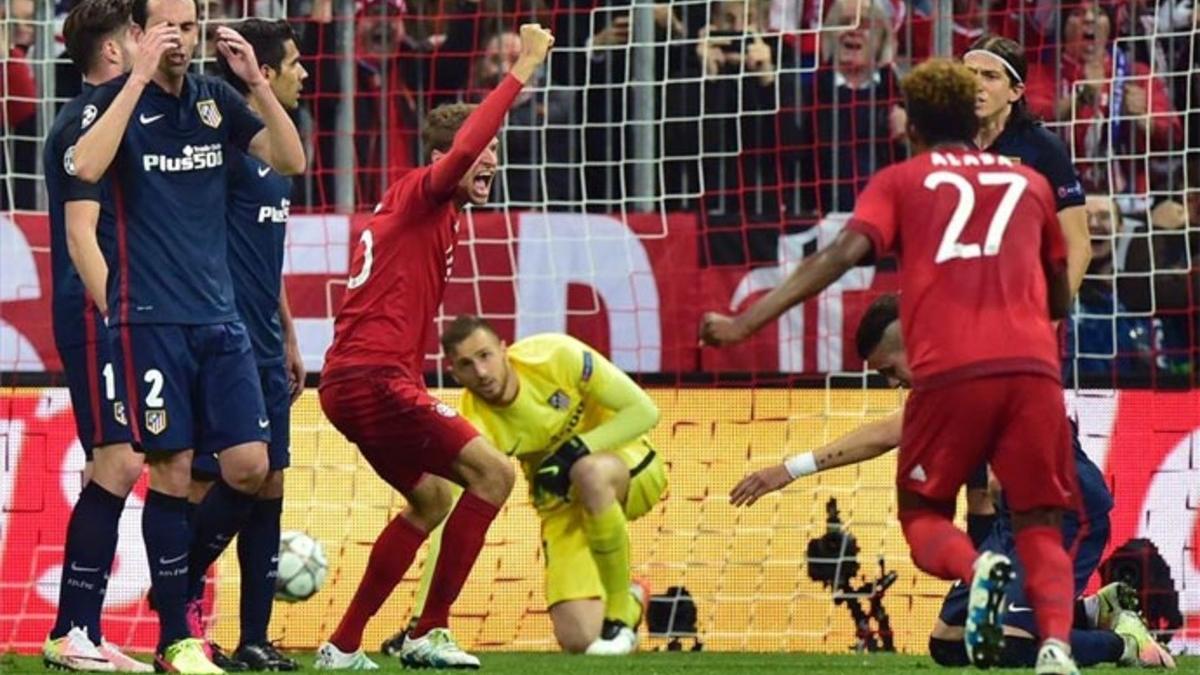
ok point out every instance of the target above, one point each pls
(974, 234)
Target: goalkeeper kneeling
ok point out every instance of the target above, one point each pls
(578, 426)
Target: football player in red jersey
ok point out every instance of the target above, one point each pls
(983, 274)
(373, 388)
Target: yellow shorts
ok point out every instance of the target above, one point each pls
(571, 573)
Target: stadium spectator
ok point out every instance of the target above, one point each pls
(737, 141)
(606, 103)
(1101, 315)
(844, 122)
(969, 24)
(395, 74)
(1111, 101)
(18, 115)
(1159, 277)
(534, 117)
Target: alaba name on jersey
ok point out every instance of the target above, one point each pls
(399, 272)
(562, 390)
(974, 233)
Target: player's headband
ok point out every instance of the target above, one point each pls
(1007, 66)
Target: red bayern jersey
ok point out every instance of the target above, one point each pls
(403, 259)
(399, 272)
(975, 234)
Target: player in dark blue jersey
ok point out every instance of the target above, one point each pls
(97, 37)
(163, 135)
(259, 200)
(1007, 128)
(1115, 633)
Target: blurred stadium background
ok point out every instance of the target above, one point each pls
(653, 174)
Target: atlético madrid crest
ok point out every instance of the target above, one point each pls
(209, 113)
(156, 421)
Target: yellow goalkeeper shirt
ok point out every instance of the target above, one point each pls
(566, 389)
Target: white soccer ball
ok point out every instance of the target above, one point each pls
(302, 567)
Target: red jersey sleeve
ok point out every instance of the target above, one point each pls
(875, 211)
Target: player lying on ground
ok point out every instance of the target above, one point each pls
(578, 426)
(373, 386)
(98, 40)
(983, 274)
(1114, 633)
(259, 200)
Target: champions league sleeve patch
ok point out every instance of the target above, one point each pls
(587, 366)
(1074, 189)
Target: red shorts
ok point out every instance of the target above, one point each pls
(1016, 423)
(401, 430)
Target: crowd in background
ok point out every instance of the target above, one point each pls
(757, 120)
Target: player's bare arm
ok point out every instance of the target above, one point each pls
(860, 445)
(1079, 244)
(278, 144)
(480, 129)
(291, 347)
(98, 146)
(811, 277)
(1058, 292)
(82, 216)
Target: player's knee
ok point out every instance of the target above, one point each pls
(595, 479)
(117, 468)
(170, 473)
(572, 638)
(429, 503)
(272, 486)
(496, 482)
(244, 468)
(948, 653)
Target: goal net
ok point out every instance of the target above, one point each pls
(670, 159)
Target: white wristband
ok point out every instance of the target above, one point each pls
(804, 464)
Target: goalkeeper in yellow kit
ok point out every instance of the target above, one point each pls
(578, 425)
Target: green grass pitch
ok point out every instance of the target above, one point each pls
(660, 663)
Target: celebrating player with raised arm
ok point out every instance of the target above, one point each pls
(1108, 627)
(97, 37)
(373, 388)
(163, 136)
(982, 264)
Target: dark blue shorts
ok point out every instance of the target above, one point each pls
(97, 392)
(196, 386)
(277, 394)
(1018, 613)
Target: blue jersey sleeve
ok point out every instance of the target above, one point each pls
(63, 149)
(1055, 164)
(243, 123)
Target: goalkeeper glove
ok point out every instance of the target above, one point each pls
(554, 474)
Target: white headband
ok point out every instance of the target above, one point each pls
(1007, 66)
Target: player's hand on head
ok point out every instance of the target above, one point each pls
(239, 55)
(761, 482)
(718, 330)
(535, 42)
(153, 44)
